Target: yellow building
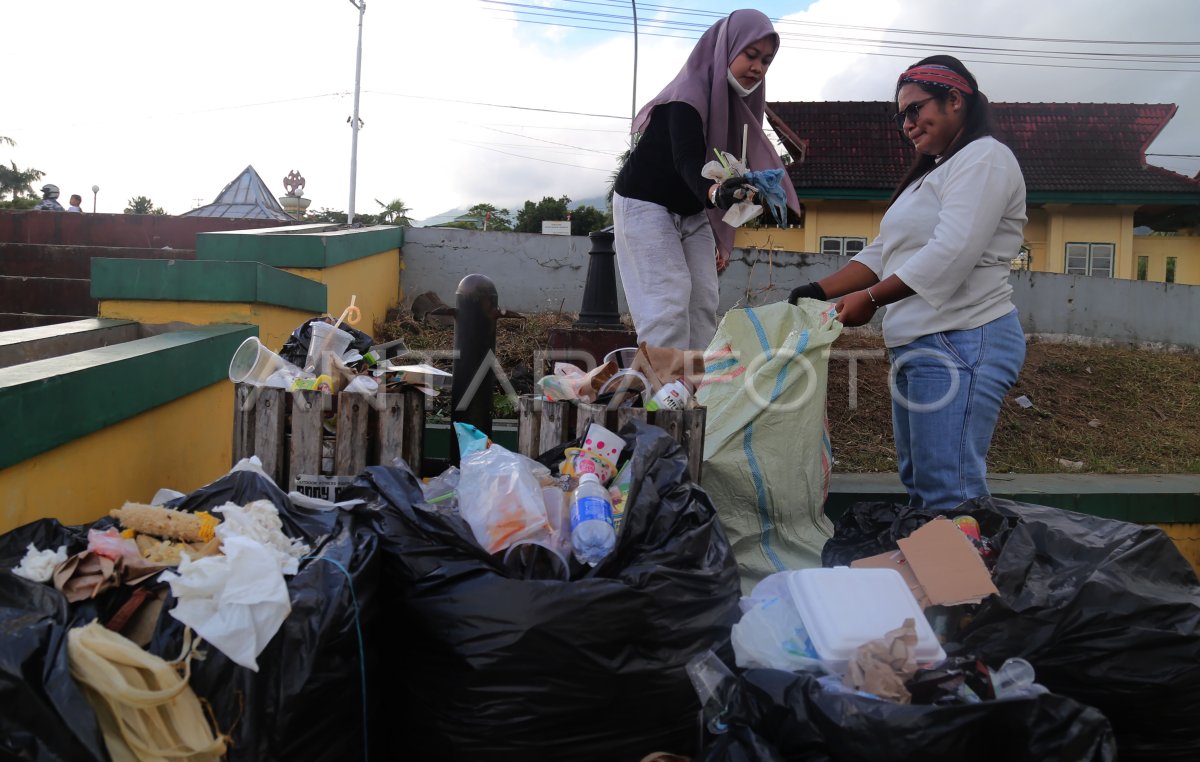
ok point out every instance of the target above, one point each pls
(1096, 207)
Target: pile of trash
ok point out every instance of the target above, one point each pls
(515, 633)
(331, 356)
(230, 621)
(655, 378)
(999, 630)
(244, 623)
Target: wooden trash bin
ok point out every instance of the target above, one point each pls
(544, 425)
(286, 430)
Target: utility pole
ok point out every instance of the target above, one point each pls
(361, 5)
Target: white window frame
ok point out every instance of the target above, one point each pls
(840, 244)
(1096, 259)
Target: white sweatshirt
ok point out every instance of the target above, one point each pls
(951, 237)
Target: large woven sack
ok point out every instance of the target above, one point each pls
(767, 455)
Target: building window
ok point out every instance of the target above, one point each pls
(1171, 269)
(842, 245)
(1143, 266)
(1090, 259)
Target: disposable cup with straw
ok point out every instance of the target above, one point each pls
(327, 338)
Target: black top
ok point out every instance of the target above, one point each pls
(664, 167)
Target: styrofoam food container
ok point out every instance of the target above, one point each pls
(843, 608)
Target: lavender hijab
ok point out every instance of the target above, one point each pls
(702, 84)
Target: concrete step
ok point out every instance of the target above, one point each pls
(45, 260)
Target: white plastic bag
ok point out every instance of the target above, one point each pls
(766, 444)
(500, 498)
(771, 633)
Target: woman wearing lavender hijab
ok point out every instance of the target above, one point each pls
(670, 239)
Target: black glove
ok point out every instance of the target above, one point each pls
(811, 291)
(733, 190)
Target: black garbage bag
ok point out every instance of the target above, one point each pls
(775, 716)
(868, 529)
(488, 665)
(295, 349)
(45, 716)
(1106, 611)
(306, 701)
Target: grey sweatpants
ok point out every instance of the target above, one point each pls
(668, 267)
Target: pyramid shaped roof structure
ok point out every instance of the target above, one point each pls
(245, 197)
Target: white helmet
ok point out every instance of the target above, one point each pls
(49, 191)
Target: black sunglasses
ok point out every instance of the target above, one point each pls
(912, 111)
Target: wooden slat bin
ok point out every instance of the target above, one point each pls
(286, 431)
(544, 425)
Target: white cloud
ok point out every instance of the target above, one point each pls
(172, 101)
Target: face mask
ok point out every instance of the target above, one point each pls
(737, 86)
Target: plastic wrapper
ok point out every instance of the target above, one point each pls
(492, 663)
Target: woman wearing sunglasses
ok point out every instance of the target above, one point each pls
(941, 266)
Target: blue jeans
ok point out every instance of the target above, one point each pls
(947, 389)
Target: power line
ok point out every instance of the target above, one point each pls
(697, 12)
(621, 23)
(529, 158)
(540, 140)
(495, 105)
(914, 46)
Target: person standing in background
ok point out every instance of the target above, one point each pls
(76, 200)
(669, 250)
(941, 265)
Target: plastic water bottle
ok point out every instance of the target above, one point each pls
(592, 534)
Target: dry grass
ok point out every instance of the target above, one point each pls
(1115, 410)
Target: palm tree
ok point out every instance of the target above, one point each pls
(394, 213)
(17, 181)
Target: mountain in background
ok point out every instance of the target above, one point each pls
(600, 202)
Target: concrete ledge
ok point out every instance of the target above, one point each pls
(48, 403)
(1140, 498)
(30, 344)
(195, 281)
(315, 247)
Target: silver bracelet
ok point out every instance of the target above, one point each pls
(872, 297)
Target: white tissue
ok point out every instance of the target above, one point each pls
(236, 602)
(38, 565)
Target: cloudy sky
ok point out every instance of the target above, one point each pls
(467, 101)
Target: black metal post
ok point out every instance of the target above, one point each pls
(599, 308)
(474, 354)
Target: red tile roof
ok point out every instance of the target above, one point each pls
(1062, 147)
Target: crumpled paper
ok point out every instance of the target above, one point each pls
(882, 667)
(237, 601)
(89, 573)
(743, 211)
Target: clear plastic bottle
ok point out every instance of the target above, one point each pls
(592, 534)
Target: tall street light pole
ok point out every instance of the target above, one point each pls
(361, 5)
(95, 191)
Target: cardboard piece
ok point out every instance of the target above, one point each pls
(940, 565)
